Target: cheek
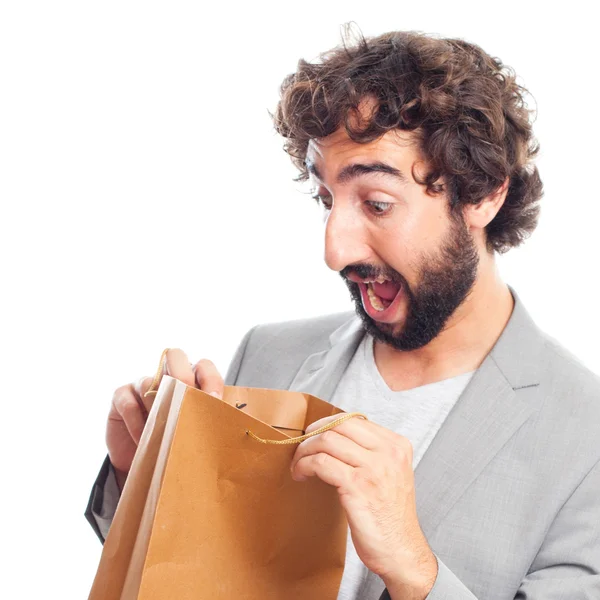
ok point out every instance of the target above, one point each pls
(406, 235)
(424, 230)
(405, 242)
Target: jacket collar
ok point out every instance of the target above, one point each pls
(515, 353)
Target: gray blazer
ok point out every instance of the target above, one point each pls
(508, 492)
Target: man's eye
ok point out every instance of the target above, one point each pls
(380, 208)
(322, 200)
(377, 208)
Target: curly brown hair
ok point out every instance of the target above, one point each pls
(467, 110)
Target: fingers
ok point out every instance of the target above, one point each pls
(179, 367)
(326, 467)
(176, 365)
(334, 444)
(203, 375)
(208, 379)
(140, 387)
(130, 405)
(131, 410)
(365, 433)
(134, 419)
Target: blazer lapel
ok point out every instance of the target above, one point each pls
(321, 372)
(485, 417)
(497, 401)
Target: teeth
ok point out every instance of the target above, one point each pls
(375, 303)
(380, 279)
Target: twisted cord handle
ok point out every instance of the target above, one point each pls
(301, 438)
(159, 372)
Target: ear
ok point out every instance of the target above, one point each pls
(480, 215)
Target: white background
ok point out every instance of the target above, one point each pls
(147, 203)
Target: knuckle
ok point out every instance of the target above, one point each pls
(402, 450)
(407, 446)
(367, 480)
(327, 437)
(321, 459)
(206, 361)
(205, 365)
(119, 391)
(310, 428)
(142, 385)
(317, 424)
(359, 478)
(396, 451)
(121, 396)
(129, 408)
(207, 376)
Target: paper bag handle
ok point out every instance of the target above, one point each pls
(159, 374)
(294, 440)
(301, 438)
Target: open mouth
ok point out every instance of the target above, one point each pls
(380, 299)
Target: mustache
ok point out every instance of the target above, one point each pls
(369, 272)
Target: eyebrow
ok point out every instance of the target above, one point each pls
(355, 170)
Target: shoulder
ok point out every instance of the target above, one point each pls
(565, 371)
(569, 393)
(271, 353)
(305, 332)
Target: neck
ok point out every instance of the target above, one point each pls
(465, 341)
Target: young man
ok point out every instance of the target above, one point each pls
(477, 474)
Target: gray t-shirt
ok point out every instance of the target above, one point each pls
(417, 414)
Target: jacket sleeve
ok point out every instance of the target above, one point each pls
(568, 562)
(105, 493)
(447, 586)
(103, 501)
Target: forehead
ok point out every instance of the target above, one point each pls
(331, 153)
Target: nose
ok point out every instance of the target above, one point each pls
(344, 238)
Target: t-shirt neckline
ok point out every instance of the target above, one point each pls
(380, 383)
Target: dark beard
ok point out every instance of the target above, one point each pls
(444, 283)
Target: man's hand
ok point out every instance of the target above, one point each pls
(129, 408)
(371, 467)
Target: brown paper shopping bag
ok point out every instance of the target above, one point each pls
(210, 512)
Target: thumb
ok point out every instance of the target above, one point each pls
(178, 366)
